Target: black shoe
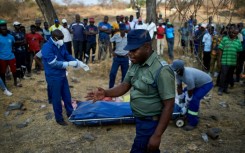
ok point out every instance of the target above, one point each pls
(220, 93)
(188, 128)
(63, 123)
(226, 91)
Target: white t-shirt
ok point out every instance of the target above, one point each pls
(141, 26)
(67, 35)
(151, 28)
(132, 24)
(207, 40)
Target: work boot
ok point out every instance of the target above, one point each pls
(188, 127)
(63, 123)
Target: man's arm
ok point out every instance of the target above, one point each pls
(39, 62)
(100, 93)
(118, 90)
(190, 92)
(165, 117)
(179, 89)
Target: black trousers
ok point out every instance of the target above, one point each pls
(29, 60)
(226, 77)
(206, 60)
(78, 49)
(20, 63)
(239, 66)
(90, 46)
(68, 47)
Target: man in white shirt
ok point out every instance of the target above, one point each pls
(140, 24)
(207, 41)
(151, 27)
(120, 58)
(131, 22)
(67, 36)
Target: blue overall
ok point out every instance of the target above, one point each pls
(55, 73)
(198, 94)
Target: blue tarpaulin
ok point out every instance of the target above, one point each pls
(104, 113)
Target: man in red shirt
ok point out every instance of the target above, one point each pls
(34, 41)
(159, 37)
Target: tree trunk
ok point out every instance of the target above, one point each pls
(132, 4)
(47, 10)
(151, 14)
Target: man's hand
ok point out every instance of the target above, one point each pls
(153, 143)
(96, 95)
(181, 96)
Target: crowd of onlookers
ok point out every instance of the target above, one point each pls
(219, 50)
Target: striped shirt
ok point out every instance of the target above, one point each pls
(229, 48)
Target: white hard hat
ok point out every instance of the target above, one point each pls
(64, 21)
(16, 23)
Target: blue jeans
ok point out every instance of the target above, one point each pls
(170, 42)
(2, 86)
(118, 61)
(194, 104)
(58, 88)
(144, 131)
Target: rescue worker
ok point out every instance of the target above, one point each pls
(198, 84)
(56, 59)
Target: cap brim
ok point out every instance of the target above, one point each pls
(173, 67)
(131, 47)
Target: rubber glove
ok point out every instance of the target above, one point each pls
(73, 63)
(82, 65)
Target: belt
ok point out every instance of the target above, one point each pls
(122, 56)
(150, 118)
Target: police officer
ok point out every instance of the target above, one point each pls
(152, 93)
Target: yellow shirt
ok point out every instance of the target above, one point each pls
(53, 27)
(115, 27)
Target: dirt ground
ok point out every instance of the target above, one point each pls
(43, 135)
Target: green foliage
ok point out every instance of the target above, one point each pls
(239, 4)
(141, 2)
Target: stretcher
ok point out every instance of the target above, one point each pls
(110, 112)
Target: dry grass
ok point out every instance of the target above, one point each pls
(43, 135)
